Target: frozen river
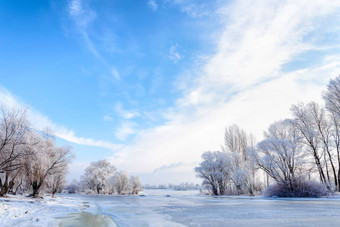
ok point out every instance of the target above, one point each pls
(190, 209)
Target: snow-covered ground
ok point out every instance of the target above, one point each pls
(169, 208)
(59, 211)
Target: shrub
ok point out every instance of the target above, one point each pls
(297, 188)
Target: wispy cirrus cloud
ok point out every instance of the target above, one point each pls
(254, 47)
(107, 118)
(153, 5)
(82, 17)
(125, 129)
(115, 74)
(174, 55)
(124, 113)
(243, 82)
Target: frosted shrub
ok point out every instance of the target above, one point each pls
(297, 188)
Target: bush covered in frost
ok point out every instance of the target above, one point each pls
(297, 188)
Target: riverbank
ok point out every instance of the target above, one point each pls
(168, 208)
(59, 211)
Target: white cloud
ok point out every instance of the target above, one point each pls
(194, 8)
(153, 5)
(107, 118)
(241, 83)
(39, 122)
(115, 73)
(82, 17)
(70, 136)
(173, 54)
(125, 129)
(123, 113)
(75, 7)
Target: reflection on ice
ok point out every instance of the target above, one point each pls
(86, 219)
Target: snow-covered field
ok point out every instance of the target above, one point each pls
(169, 208)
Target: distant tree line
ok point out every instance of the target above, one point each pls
(30, 161)
(101, 177)
(178, 187)
(298, 157)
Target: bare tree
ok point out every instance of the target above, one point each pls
(57, 181)
(303, 122)
(332, 100)
(236, 140)
(324, 129)
(13, 127)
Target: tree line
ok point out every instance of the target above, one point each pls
(101, 177)
(298, 157)
(30, 161)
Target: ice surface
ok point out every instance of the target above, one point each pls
(176, 208)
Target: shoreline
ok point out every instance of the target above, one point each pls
(19, 210)
(175, 210)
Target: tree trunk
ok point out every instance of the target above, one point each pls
(214, 189)
(17, 187)
(35, 189)
(53, 193)
(5, 187)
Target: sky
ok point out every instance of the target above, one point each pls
(152, 84)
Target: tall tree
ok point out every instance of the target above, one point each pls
(236, 140)
(13, 128)
(332, 100)
(46, 160)
(304, 123)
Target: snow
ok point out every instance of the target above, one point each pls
(59, 211)
(168, 208)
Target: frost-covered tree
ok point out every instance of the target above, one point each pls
(121, 182)
(324, 131)
(46, 160)
(97, 174)
(28, 157)
(244, 171)
(236, 140)
(332, 100)
(13, 128)
(135, 185)
(215, 170)
(244, 179)
(304, 123)
(57, 181)
(280, 154)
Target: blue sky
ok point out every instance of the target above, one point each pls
(151, 84)
(84, 63)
